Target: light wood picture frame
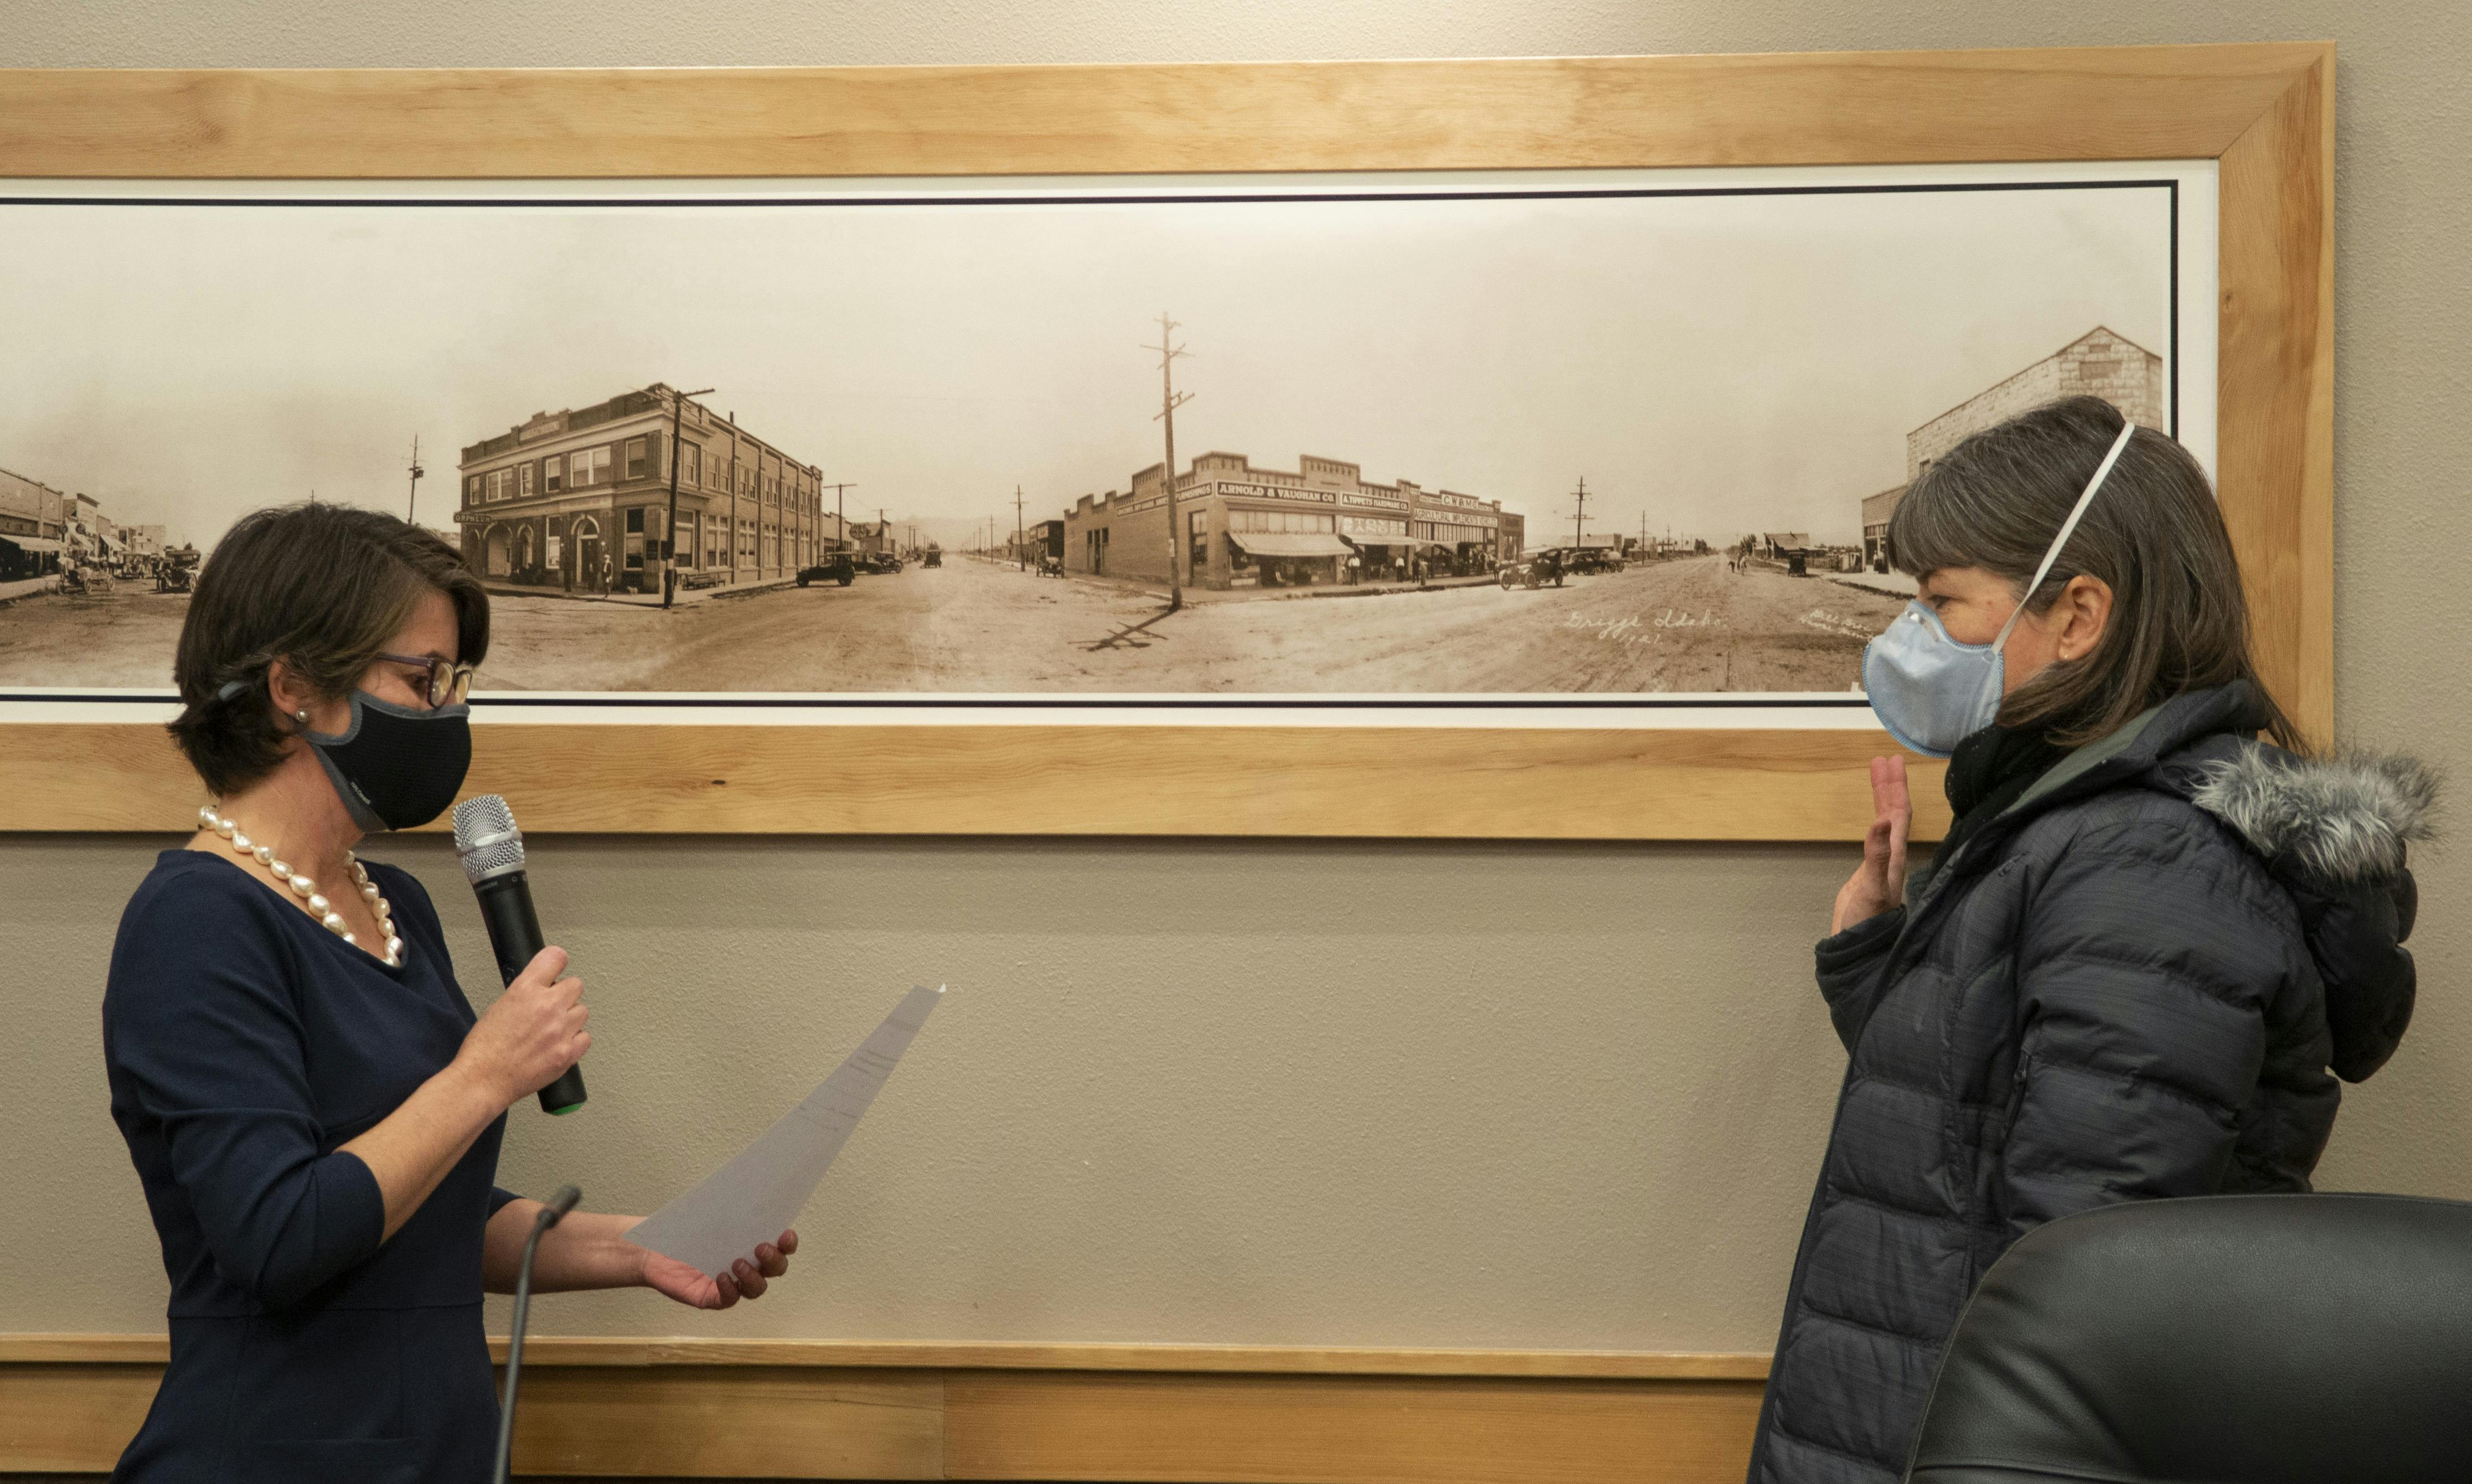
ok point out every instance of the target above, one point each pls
(2263, 112)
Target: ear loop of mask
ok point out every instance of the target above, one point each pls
(2068, 527)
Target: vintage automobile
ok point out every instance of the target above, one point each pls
(879, 561)
(836, 567)
(935, 557)
(82, 580)
(176, 570)
(1050, 565)
(1595, 558)
(1536, 569)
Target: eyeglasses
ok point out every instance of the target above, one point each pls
(448, 681)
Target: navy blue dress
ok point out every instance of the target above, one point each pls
(244, 1043)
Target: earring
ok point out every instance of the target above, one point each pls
(304, 716)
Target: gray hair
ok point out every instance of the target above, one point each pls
(2153, 534)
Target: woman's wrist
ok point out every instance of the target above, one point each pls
(587, 1250)
(614, 1262)
(471, 1082)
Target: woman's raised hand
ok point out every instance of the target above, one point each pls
(532, 1033)
(1879, 882)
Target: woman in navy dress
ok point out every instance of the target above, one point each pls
(312, 1108)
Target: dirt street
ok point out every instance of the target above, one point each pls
(972, 626)
(117, 640)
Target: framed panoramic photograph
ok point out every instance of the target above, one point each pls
(991, 450)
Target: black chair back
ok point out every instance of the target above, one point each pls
(2228, 1339)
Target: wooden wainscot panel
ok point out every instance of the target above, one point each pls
(70, 1416)
(636, 1407)
(730, 1422)
(1364, 1429)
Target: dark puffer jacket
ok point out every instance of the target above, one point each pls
(2132, 983)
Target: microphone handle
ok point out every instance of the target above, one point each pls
(515, 938)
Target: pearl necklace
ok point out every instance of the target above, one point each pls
(302, 886)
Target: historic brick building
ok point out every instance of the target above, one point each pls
(1876, 510)
(579, 499)
(2100, 362)
(33, 528)
(1234, 517)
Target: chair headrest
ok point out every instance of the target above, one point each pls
(2234, 1340)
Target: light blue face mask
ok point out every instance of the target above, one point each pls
(1930, 691)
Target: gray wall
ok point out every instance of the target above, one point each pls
(1268, 1092)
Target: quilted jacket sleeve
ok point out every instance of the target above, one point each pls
(1847, 965)
(2145, 976)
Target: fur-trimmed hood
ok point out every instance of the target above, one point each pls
(2341, 821)
(2335, 832)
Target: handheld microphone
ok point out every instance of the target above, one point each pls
(491, 850)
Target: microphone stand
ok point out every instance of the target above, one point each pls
(558, 1205)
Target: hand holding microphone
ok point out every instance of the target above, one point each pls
(492, 851)
(534, 1033)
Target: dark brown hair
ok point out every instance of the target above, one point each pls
(2178, 622)
(321, 587)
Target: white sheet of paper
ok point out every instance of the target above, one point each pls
(758, 1195)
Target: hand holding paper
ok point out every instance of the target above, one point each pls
(747, 1277)
(754, 1198)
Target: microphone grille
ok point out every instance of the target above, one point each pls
(485, 839)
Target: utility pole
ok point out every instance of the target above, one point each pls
(670, 527)
(841, 523)
(1169, 399)
(412, 502)
(1579, 516)
(1021, 562)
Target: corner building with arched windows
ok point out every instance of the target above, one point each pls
(578, 500)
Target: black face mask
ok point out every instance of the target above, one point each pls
(396, 766)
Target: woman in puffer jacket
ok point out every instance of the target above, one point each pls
(2139, 963)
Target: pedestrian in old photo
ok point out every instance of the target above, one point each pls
(2146, 954)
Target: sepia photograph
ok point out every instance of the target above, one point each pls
(1626, 436)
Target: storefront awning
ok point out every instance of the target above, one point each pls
(108, 544)
(1388, 540)
(31, 543)
(1287, 542)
